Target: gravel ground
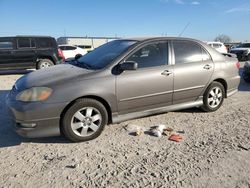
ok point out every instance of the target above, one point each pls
(215, 151)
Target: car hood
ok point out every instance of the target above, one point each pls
(51, 76)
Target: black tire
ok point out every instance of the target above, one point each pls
(207, 104)
(248, 57)
(81, 106)
(246, 77)
(44, 63)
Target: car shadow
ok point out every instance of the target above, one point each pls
(8, 137)
(15, 71)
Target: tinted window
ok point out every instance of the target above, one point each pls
(69, 48)
(44, 43)
(61, 47)
(84, 46)
(23, 43)
(245, 45)
(6, 45)
(151, 55)
(32, 43)
(217, 45)
(187, 52)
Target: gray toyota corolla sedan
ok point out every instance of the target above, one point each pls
(118, 81)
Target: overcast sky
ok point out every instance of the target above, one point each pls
(205, 19)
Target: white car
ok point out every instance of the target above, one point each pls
(220, 47)
(71, 51)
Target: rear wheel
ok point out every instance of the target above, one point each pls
(213, 97)
(44, 63)
(84, 120)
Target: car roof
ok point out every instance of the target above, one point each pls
(158, 38)
(213, 42)
(67, 45)
(27, 36)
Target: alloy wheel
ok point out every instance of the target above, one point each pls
(215, 97)
(86, 121)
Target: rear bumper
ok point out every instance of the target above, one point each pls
(33, 120)
(233, 85)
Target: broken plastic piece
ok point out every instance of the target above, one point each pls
(156, 133)
(175, 138)
(169, 129)
(138, 132)
(161, 128)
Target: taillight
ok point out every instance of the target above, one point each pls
(60, 53)
(238, 65)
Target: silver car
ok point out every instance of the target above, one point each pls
(121, 80)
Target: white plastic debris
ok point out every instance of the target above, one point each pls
(156, 133)
(161, 128)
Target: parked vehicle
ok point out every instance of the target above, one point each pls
(89, 48)
(246, 72)
(118, 81)
(22, 52)
(242, 51)
(220, 47)
(71, 51)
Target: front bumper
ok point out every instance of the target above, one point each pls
(35, 119)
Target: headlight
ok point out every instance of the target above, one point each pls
(34, 94)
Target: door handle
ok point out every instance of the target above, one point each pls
(166, 73)
(207, 67)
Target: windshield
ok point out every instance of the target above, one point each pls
(105, 54)
(245, 45)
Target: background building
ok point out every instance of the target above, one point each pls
(88, 42)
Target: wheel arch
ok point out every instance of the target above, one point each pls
(224, 83)
(97, 98)
(39, 58)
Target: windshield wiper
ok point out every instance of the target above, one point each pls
(82, 64)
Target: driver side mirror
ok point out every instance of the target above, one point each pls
(129, 65)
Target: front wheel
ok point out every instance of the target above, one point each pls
(84, 120)
(213, 97)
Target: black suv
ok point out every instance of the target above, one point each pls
(22, 52)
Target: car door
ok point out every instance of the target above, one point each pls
(192, 70)
(6, 51)
(151, 85)
(24, 55)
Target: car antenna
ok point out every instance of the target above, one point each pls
(184, 29)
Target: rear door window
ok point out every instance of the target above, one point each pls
(26, 43)
(187, 52)
(23, 43)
